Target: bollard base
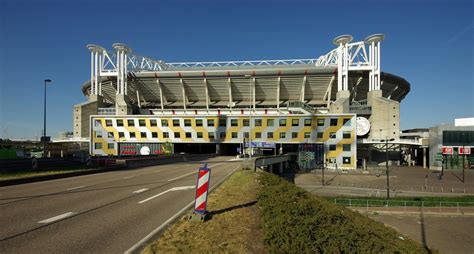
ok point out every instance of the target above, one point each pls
(201, 217)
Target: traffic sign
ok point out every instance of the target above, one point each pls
(202, 190)
(465, 150)
(447, 150)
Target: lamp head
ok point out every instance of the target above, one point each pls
(48, 81)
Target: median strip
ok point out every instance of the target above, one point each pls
(56, 218)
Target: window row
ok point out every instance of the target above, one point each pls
(222, 122)
(222, 135)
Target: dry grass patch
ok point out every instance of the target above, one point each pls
(234, 226)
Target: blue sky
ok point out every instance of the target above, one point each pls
(429, 43)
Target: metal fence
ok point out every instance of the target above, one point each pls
(407, 205)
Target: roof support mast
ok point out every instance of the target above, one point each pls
(374, 55)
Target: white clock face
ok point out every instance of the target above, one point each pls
(363, 126)
(145, 150)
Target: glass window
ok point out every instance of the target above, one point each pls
(98, 145)
(188, 135)
(333, 122)
(346, 121)
(282, 134)
(307, 122)
(187, 122)
(121, 135)
(131, 122)
(246, 135)
(110, 146)
(177, 135)
(175, 122)
(346, 160)
(319, 135)
(258, 135)
(332, 135)
(258, 122)
(110, 134)
(164, 122)
(295, 122)
(210, 123)
(143, 135)
(269, 134)
(108, 122)
(198, 122)
(307, 134)
(294, 135)
(153, 123)
(141, 122)
(222, 135)
(222, 122)
(154, 134)
(346, 147)
(321, 122)
(282, 122)
(211, 135)
(270, 122)
(133, 134)
(119, 122)
(234, 134)
(246, 122)
(98, 134)
(199, 134)
(166, 135)
(233, 122)
(346, 134)
(332, 147)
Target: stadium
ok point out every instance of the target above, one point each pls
(335, 105)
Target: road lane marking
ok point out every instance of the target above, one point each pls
(166, 191)
(128, 177)
(78, 187)
(140, 190)
(56, 218)
(179, 177)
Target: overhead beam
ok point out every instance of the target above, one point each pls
(329, 91)
(231, 100)
(185, 99)
(161, 94)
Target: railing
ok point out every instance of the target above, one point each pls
(300, 104)
(407, 205)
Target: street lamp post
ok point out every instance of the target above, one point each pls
(46, 81)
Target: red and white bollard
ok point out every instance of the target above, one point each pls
(202, 191)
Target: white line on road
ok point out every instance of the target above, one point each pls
(166, 191)
(78, 187)
(56, 218)
(128, 177)
(179, 177)
(140, 190)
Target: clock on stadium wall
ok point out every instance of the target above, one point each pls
(362, 126)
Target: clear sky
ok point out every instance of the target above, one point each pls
(429, 43)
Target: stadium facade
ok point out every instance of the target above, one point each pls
(340, 101)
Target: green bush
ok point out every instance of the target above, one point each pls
(295, 221)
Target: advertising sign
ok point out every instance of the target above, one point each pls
(465, 150)
(447, 150)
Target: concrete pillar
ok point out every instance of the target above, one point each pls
(280, 169)
(364, 163)
(424, 157)
(218, 148)
(62, 153)
(270, 168)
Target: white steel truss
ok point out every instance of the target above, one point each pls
(348, 56)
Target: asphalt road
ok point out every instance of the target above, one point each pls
(101, 213)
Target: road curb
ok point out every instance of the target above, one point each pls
(153, 235)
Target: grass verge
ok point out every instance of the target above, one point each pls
(298, 222)
(20, 174)
(234, 225)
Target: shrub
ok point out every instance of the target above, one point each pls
(294, 221)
